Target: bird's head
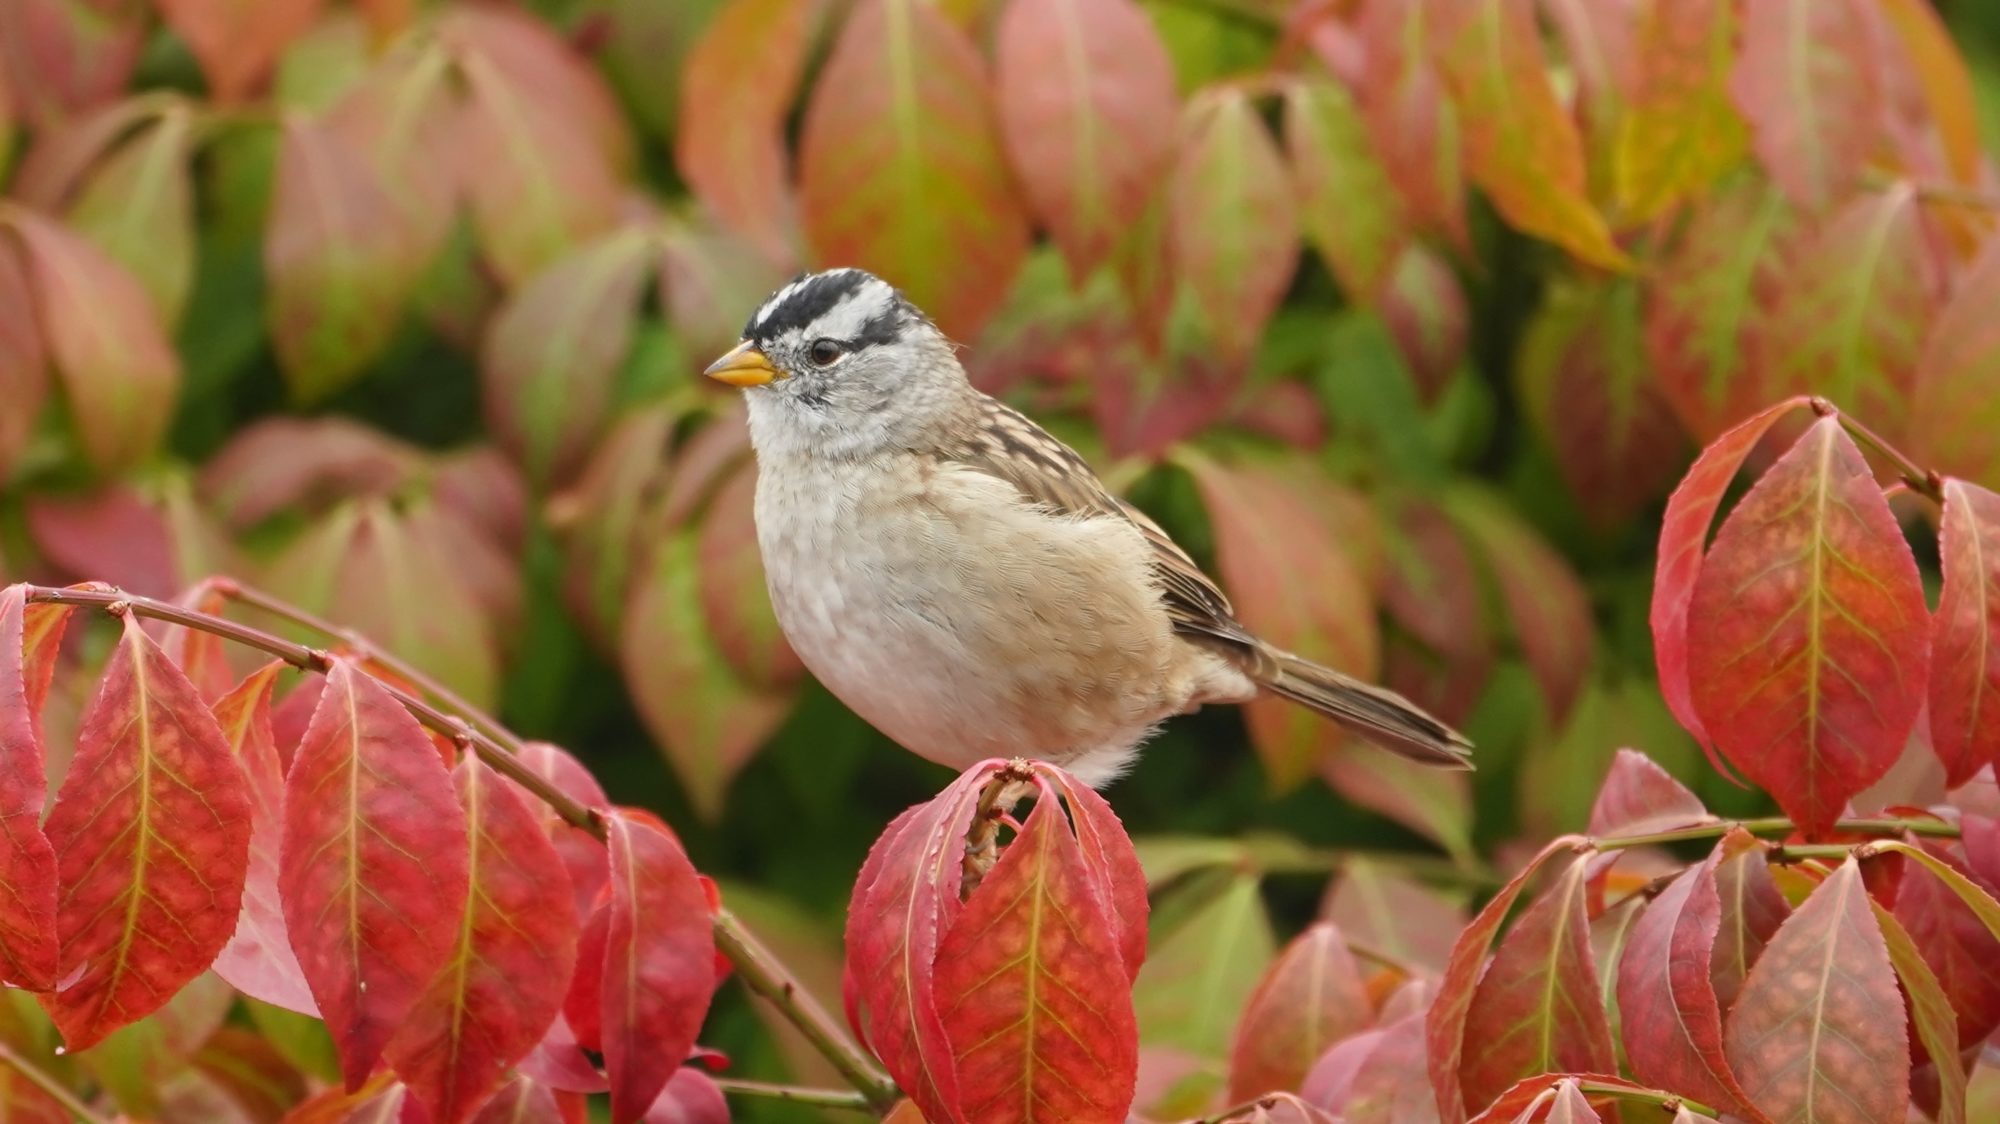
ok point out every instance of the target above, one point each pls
(840, 363)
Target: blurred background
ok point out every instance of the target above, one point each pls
(396, 309)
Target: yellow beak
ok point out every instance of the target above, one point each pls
(743, 366)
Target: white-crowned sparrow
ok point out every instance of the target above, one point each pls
(962, 580)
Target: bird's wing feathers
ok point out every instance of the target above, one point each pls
(1005, 444)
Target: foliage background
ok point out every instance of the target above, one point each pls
(396, 308)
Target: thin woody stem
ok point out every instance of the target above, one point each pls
(47, 1083)
(762, 972)
(796, 1094)
(1921, 481)
(1775, 825)
(401, 668)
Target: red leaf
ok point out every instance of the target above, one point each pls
(1030, 989)
(906, 900)
(1668, 1013)
(1383, 909)
(536, 182)
(707, 277)
(24, 364)
(1583, 373)
(1752, 910)
(1713, 284)
(258, 960)
(691, 1097)
(373, 868)
(282, 462)
(1956, 407)
(525, 1101)
(659, 963)
(1639, 797)
(1520, 146)
(708, 718)
(583, 1006)
(1087, 110)
(1311, 998)
(118, 370)
(1387, 1084)
(1113, 862)
(1965, 634)
(1424, 309)
(62, 56)
(1538, 1008)
(1680, 132)
(509, 966)
(1411, 122)
(583, 856)
(1683, 543)
(1446, 1022)
(1939, 1087)
(341, 259)
(24, 1102)
(27, 861)
(1805, 82)
(237, 44)
(152, 834)
(1850, 322)
(1545, 601)
(1232, 221)
(1817, 1033)
(554, 349)
(734, 600)
(1297, 588)
(730, 144)
(1808, 634)
(1955, 942)
(900, 166)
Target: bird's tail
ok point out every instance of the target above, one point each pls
(1381, 716)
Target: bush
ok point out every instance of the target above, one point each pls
(1404, 316)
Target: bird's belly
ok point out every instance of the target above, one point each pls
(965, 632)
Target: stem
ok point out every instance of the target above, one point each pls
(761, 971)
(797, 1094)
(1772, 825)
(1925, 483)
(401, 668)
(763, 974)
(1671, 1102)
(41, 1079)
(1233, 1111)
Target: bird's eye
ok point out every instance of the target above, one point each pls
(824, 352)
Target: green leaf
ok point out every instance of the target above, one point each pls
(1202, 970)
(137, 207)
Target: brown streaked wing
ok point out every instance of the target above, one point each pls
(1006, 444)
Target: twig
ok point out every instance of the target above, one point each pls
(42, 1080)
(762, 972)
(263, 602)
(1921, 481)
(797, 1094)
(1235, 1110)
(1772, 825)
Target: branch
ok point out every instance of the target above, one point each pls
(1921, 481)
(796, 1094)
(1775, 825)
(56, 1090)
(762, 972)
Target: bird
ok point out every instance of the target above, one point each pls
(961, 579)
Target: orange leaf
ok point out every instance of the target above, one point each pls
(731, 144)
(1965, 634)
(1520, 147)
(900, 166)
(1956, 408)
(1680, 132)
(237, 41)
